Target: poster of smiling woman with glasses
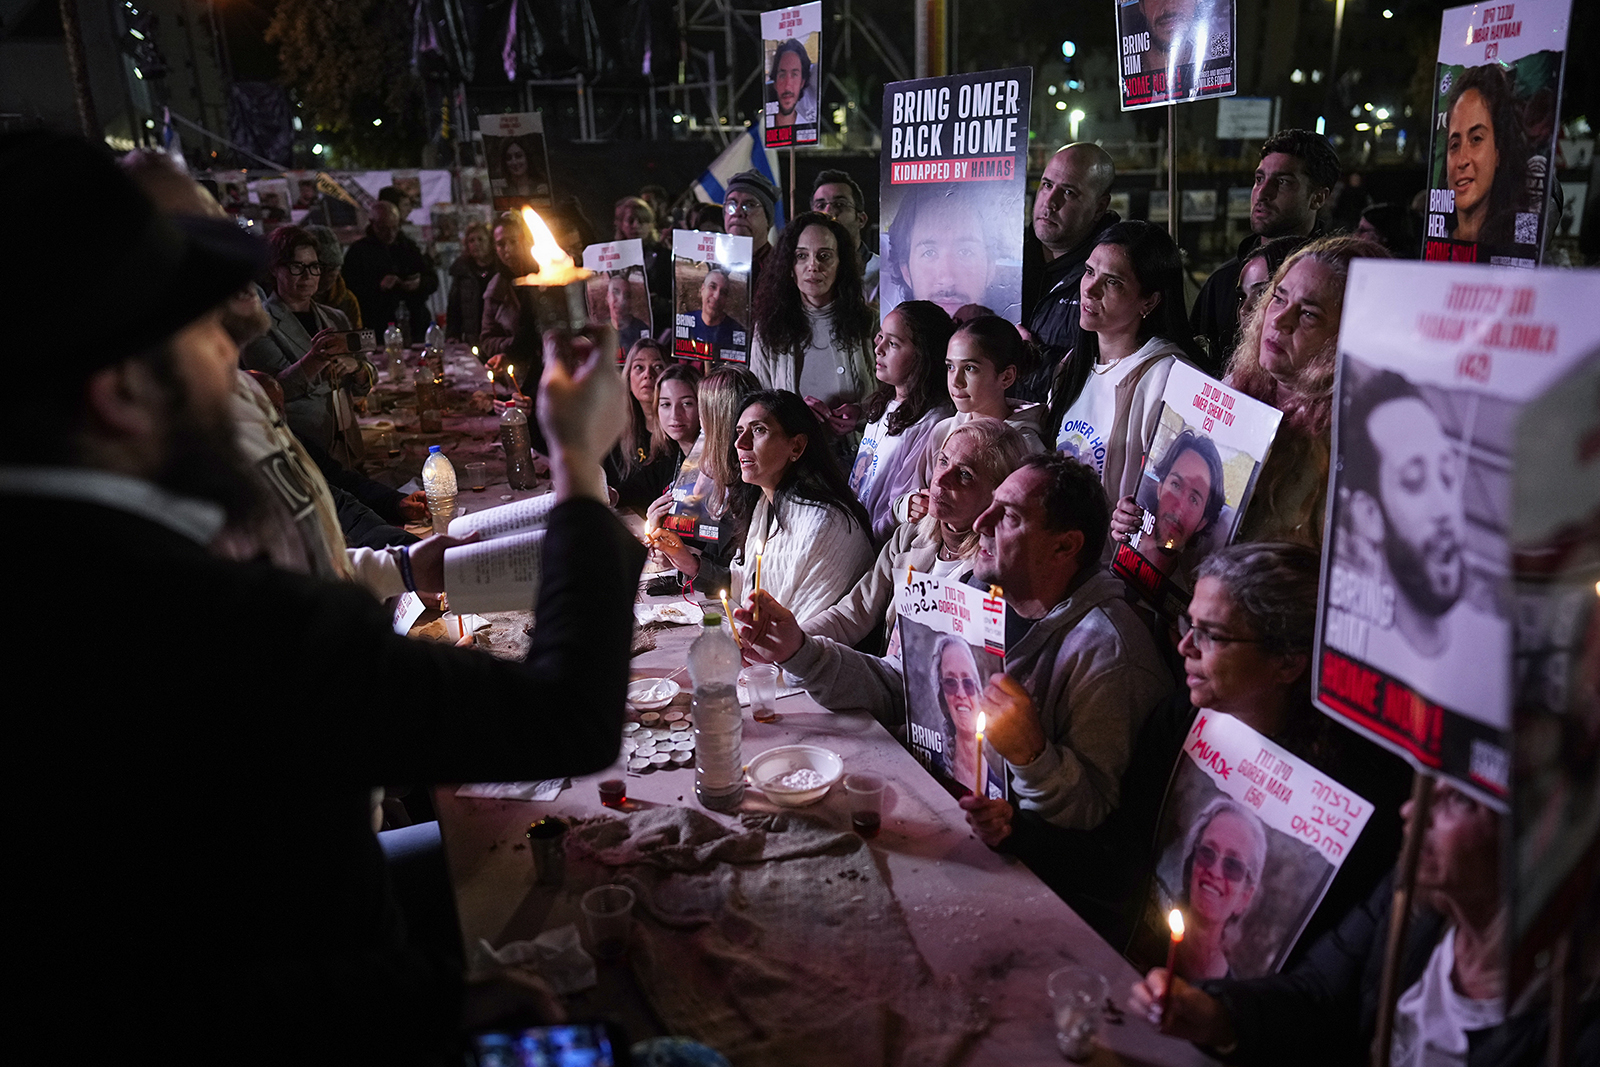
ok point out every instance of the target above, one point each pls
(1249, 840)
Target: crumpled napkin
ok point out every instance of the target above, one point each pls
(558, 955)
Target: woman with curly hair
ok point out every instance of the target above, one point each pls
(909, 361)
(1486, 157)
(814, 328)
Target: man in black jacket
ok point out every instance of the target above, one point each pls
(168, 909)
(385, 269)
(1298, 169)
(1070, 212)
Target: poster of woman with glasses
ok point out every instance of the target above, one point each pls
(951, 641)
(1249, 840)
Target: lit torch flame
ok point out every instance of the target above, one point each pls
(555, 266)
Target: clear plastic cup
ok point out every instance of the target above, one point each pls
(865, 794)
(1077, 996)
(477, 476)
(761, 679)
(608, 916)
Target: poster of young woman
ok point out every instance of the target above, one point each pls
(711, 298)
(514, 153)
(791, 73)
(954, 175)
(1496, 92)
(952, 638)
(617, 292)
(1199, 472)
(1175, 51)
(1249, 840)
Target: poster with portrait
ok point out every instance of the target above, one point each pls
(272, 196)
(791, 74)
(1175, 51)
(952, 638)
(473, 187)
(1555, 709)
(421, 188)
(617, 292)
(698, 506)
(1496, 91)
(1199, 472)
(1415, 631)
(1249, 839)
(711, 296)
(518, 165)
(953, 188)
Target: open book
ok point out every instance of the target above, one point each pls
(500, 572)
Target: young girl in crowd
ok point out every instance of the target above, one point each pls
(633, 469)
(976, 457)
(800, 524)
(1106, 399)
(677, 407)
(913, 399)
(814, 328)
(721, 397)
(985, 356)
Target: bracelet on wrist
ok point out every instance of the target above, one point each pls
(403, 556)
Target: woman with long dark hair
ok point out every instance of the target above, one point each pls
(795, 515)
(814, 329)
(635, 469)
(1106, 399)
(1486, 156)
(909, 361)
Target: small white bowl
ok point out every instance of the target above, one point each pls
(646, 694)
(773, 764)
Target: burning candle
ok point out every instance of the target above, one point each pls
(729, 616)
(559, 285)
(1175, 921)
(493, 393)
(755, 605)
(977, 786)
(996, 592)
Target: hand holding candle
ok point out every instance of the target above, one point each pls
(728, 614)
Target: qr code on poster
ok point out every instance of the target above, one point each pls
(1525, 230)
(1221, 45)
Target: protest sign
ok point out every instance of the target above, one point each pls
(791, 73)
(952, 638)
(711, 299)
(1415, 632)
(1199, 472)
(617, 292)
(1175, 51)
(1555, 546)
(422, 189)
(514, 152)
(1496, 86)
(698, 506)
(954, 181)
(1250, 838)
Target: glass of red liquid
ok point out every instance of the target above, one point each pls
(614, 793)
(865, 794)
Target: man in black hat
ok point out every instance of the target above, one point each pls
(167, 908)
(749, 208)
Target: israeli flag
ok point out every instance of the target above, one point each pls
(747, 152)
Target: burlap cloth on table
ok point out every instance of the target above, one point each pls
(778, 944)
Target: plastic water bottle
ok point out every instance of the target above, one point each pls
(718, 725)
(433, 355)
(394, 353)
(439, 482)
(518, 445)
(402, 318)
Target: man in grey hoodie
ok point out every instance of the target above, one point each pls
(1081, 671)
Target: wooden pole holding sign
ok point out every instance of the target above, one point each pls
(1399, 916)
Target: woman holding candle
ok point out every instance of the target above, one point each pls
(721, 398)
(800, 525)
(814, 328)
(909, 361)
(1106, 398)
(976, 458)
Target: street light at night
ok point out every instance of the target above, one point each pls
(1075, 117)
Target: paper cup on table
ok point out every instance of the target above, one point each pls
(1076, 996)
(608, 916)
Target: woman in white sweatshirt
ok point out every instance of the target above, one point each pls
(1106, 399)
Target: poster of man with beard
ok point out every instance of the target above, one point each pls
(1415, 639)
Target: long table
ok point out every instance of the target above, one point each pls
(975, 915)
